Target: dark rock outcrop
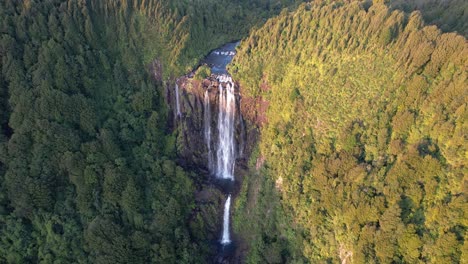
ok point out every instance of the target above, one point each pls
(191, 145)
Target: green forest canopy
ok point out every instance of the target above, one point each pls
(87, 163)
(366, 132)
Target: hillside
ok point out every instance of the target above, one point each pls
(364, 141)
(88, 170)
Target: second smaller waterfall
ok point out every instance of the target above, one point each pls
(226, 238)
(207, 128)
(177, 99)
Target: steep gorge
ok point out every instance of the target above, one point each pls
(208, 118)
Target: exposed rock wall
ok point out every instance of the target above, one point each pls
(191, 146)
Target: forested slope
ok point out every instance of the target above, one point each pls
(87, 171)
(448, 15)
(365, 140)
(89, 175)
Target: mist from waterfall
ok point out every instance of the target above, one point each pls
(207, 128)
(225, 158)
(226, 238)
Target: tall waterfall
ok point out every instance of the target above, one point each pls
(222, 148)
(225, 157)
(177, 99)
(207, 128)
(226, 238)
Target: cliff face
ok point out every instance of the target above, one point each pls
(191, 143)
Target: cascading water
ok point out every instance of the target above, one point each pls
(226, 239)
(225, 158)
(177, 99)
(207, 128)
(226, 148)
(223, 166)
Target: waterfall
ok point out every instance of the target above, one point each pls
(225, 157)
(226, 239)
(207, 128)
(177, 98)
(222, 148)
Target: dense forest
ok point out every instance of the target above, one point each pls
(362, 150)
(87, 163)
(448, 15)
(364, 141)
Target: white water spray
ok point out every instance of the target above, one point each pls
(226, 238)
(225, 157)
(207, 128)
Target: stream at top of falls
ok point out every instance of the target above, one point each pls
(219, 58)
